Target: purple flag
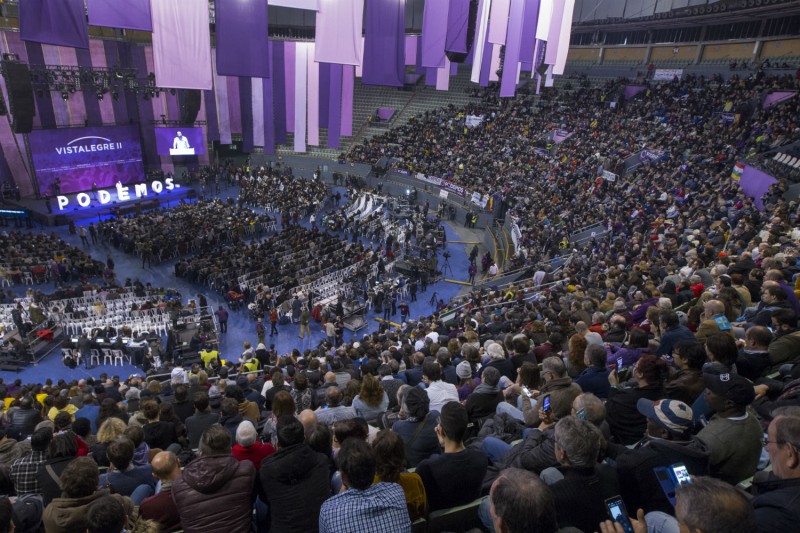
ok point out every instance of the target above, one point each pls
(182, 44)
(498, 21)
(777, 97)
(335, 106)
(278, 98)
(348, 88)
(130, 15)
(434, 32)
(528, 46)
(632, 90)
(62, 22)
(457, 17)
(297, 4)
(384, 43)
(242, 38)
(338, 32)
(755, 184)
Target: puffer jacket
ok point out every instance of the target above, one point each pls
(214, 494)
(295, 479)
(22, 423)
(68, 515)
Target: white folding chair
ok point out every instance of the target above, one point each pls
(94, 358)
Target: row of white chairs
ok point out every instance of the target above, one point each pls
(110, 357)
(787, 159)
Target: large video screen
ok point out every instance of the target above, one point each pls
(179, 141)
(81, 157)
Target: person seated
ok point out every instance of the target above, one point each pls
(484, 399)
(579, 484)
(626, 423)
(595, 378)
(519, 502)
(248, 448)
(467, 465)
(371, 401)
(390, 455)
(333, 410)
(686, 384)
(668, 440)
(418, 429)
(125, 478)
(363, 506)
(79, 490)
(157, 434)
(161, 507)
(753, 359)
(733, 435)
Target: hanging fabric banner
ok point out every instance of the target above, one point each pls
(564, 32)
(242, 38)
(348, 87)
(312, 96)
(129, 15)
(246, 112)
(338, 32)
(434, 32)
(60, 23)
(443, 76)
(516, 19)
(297, 4)
(457, 18)
(278, 99)
(300, 85)
(384, 46)
(335, 106)
(498, 21)
(528, 46)
(478, 48)
(182, 44)
(257, 90)
(290, 58)
(223, 115)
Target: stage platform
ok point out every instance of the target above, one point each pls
(37, 208)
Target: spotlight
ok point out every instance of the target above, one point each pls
(172, 92)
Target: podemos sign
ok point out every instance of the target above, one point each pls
(123, 193)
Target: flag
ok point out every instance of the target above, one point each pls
(736, 174)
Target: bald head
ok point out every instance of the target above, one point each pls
(714, 307)
(330, 377)
(307, 418)
(166, 466)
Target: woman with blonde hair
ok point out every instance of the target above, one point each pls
(371, 401)
(110, 429)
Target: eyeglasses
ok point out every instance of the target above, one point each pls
(767, 442)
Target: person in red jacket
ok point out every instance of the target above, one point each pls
(247, 447)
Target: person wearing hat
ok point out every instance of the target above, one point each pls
(667, 440)
(418, 429)
(733, 435)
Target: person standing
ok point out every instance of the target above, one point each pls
(222, 316)
(273, 321)
(304, 318)
(84, 239)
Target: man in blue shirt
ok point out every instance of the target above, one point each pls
(363, 506)
(595, 378)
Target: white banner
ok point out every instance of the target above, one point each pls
(609, 176)
(473, 120)
(667, 74)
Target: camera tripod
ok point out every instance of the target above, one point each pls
(446, 265)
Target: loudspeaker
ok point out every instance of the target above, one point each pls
(20, 95)
(189, 102)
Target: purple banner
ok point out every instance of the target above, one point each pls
(242, 38)
(384, 43)
(338, 32)
(777, 97)
(498, 21)
(81, 157)
(129, 15)
(61, 22)
(324, 93)
(335, 106)
(755, 184)
(434, 32)
(457, 17)
(181, 44)
(179, 141)
(348, 88)
(271, 107)
(385, 113)
(278, 95)
(516, 19)
(632, 90)
(246, 100)
(44, 104)
(528, 47)
(650, 155)
(560, 136)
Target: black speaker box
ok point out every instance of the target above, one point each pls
(189, 102)
(20, 95)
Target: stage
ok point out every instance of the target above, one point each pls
(102, 203)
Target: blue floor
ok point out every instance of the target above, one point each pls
(241, 328)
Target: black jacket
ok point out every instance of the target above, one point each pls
(640, 488)
(295, 480)
(777, 504)
(580, 497)
(22, 422)
(626, 422)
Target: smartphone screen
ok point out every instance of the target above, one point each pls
(619, 364)
(546, 404)
(681, 474)
(618, 513)
(526, 391)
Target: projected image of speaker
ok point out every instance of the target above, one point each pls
(189, 103)
(20, 95)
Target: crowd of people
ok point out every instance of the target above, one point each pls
(280, 191)
(187, 228)
(671, 344)
(38, 257)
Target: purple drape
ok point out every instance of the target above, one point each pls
(146, 113)
(130, 14)
(246, 99)
(270, 105)
(44, 104)
(300, 93)
(528, 46)
(182, 44)
(278, 93)
(121, 103)
(434, 32)
(211, 115)
(338, 32)
(242, 38)
(312, 96)
(348, 87)
(755, 184)
(61, 22)
(335, 106)
(384, 46)
(457, 17)
(777, 97)
(508, 85)
(324, 92)
(234, 105)
(90, 102)
(498, 21)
